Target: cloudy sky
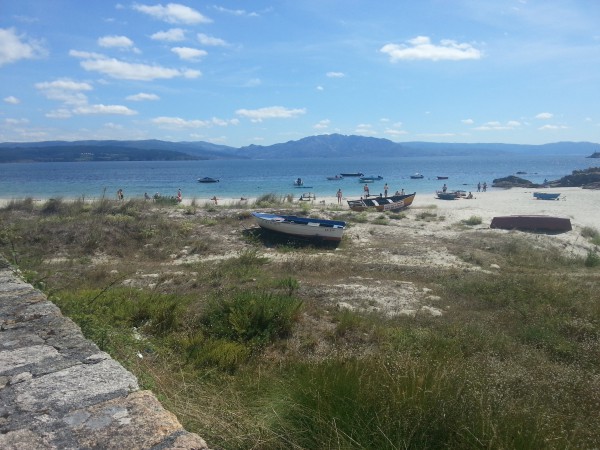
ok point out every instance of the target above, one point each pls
(262, 72)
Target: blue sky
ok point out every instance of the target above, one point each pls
(264, 72)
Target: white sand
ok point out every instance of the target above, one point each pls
(582, 206)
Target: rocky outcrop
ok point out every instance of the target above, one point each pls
(59, 391)
(512, 181)
(587, 179)
(595, 155)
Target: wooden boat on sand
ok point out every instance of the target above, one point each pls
(302, 227)
(532, 223)
(448, 195)
(393, 203)
(546, 195)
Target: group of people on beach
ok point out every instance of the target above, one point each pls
(386, 188)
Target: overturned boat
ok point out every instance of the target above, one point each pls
(532, 223)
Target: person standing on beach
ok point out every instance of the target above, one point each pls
(484, 186)
(444, 188)
(120, 194)
(366, 189)
(339, 196)
(385, 189)
(179, 198)
(479, 187)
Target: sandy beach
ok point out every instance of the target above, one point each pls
(582, 206)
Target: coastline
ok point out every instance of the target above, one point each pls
(582, 206)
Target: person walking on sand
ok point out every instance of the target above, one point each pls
(484, 186)
(339, 196)
(215, 199)
(366, 189)
(479, 187)
(179, 198)
(385, 189)
(120, 194)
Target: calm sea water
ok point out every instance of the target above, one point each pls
(252, 178)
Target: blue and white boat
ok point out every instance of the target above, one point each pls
(546, 195)
(303, 227)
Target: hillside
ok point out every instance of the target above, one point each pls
(322, 146)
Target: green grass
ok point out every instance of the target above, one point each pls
(244, 343)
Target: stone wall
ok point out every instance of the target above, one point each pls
(59, 391)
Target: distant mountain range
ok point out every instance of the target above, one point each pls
(323, 146)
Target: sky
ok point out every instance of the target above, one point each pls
(269, 71)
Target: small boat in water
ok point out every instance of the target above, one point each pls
(417, 176)
(302, 227)
(370, 179)
(441, 178)
(532, 223)
(353, 174)
(208, 180)
(392, 203)
(336, 177)
(546, 196)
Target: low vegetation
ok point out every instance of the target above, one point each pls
(245, 337)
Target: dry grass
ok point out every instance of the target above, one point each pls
(411, 333)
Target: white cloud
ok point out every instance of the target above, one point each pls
(211, 41)
(544, 116)
(468, 121)
(189, 54)
(322, 124)
(104, 109)
(320, 88)
(65, 90)
(235, 12)
(14, 47)
(552, 127)
(173, 13)
(115, 41)
(172, 35)
(271, 112)
(61, 113)
(141, 97)
(394, 132)
(335, 74)
(12, 100)
(422, 48)
(253, 82)
(498, 126)
(129, 71)
(179, 123)
(10, 121)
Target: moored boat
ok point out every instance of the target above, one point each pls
(392, 203)
(546, 195)
(532, 223)
(370, 179)
(208, 180)
(353, 174)
(417, 176)
(303, 227)
(336, 177)
(441, 177)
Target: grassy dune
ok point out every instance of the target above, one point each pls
(242, 336)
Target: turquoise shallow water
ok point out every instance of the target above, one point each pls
(252, 178)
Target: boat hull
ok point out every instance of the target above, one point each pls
(302, 227)
(393, 203)
(448, 195)
(207, 180)
(353, 174)
(532, 223)
(546, 195)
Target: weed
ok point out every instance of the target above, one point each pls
(473, 220)
(592, 259)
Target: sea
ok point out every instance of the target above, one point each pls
(253, 178)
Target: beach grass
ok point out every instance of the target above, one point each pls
(255, 343)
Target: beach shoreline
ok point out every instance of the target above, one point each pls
(582, 206)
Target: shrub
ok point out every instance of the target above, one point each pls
(252, 317)
(473, 220)
(592, 259)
